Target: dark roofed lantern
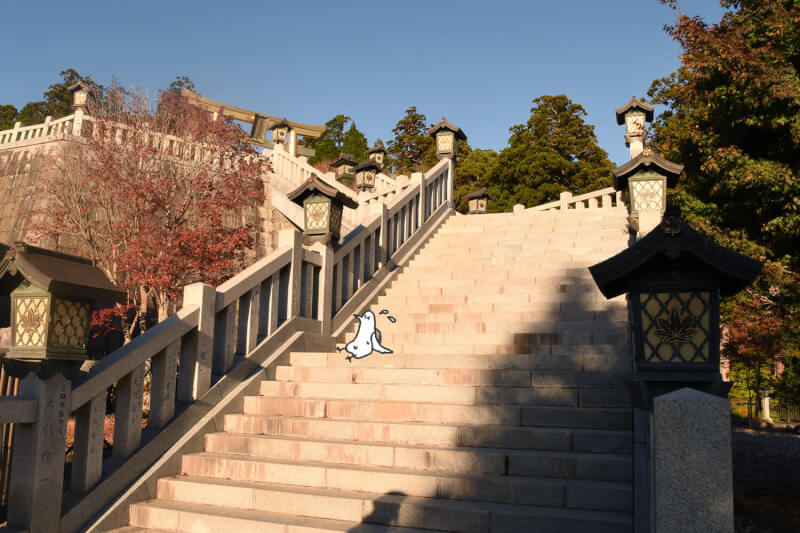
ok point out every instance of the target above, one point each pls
(647, 177)
(280, 131)
(50, 297)
(674, 278)
(446, 136)
(478, 200)
(258, 132)
(377, 154)
(323, 205)
(365, 175)
(344, 166)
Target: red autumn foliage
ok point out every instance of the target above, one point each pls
(157, 197)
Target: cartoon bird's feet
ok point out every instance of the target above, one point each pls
(349, 358)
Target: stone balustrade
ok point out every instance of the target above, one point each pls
(603, 198)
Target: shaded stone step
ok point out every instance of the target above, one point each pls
(589, 466)
(396, 510)
(440, 435)
(517, 490)
(445, 376)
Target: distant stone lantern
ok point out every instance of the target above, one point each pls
(446, 136)
(323, 205)
(50, 297)
(377, 154)
(365, 175)
(258, 132)
(647, 178)
(80, 95)
(344, 166)
(478, 200)
(674, 277)
(635, 115)
(280, 131)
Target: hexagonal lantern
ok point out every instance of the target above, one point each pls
(378, 154)
(50, 297)
(280, 130)
(446, 136)
(365, 175)
(674, 278)
(323, 205)
(635, 115)
(478, 200)
(344, 166)
(647, 177)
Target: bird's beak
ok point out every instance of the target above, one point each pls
(356, 316)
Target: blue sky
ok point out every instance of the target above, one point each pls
(477, 63)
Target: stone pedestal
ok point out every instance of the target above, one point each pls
(765, 414)
(692, 468)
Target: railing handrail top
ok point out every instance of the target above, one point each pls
(593, 194)
(351, 240)
(243, 282)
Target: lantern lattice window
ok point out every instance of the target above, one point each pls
(675, 326)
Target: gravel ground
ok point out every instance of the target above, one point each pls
(766, 480)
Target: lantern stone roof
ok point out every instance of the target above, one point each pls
(483, 192)
(674, 246)
(366, 165)
(635, 103)
(646, 159)
(56, 272)
(444, 125)
(282, 123)
(315, 185)
(344, 159)
(376, 149)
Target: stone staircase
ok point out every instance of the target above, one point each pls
(502, 408)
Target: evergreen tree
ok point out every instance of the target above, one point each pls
(331, 142)
(554, 151)
(410, 144)
(355, 143)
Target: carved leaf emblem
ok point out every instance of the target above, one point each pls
(676, 328)
(30, 322)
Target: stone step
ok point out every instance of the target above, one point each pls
(548, 395)
(594, 358)
(366, 512)
(515, 490)
(567, 465)
(442, 413)
(436, 435)
(540, 312)
(429, 376)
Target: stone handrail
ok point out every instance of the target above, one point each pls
(317, 287)
(49, 128)
(603, 198)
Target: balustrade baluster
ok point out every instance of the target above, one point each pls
(87, 448)
(163, 370)
(128, 413)
(197, 346)
(224, 339)
(274, 300)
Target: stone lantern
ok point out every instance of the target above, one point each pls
(344, 166)
(647, 178)
(635, 115)
(478, 200)
(365, 175)
(50, 298)
(675, 277)
(323, 205)
(377, 154)
(280, 131)
(446, 136)
(80, 95)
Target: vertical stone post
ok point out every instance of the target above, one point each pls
(325, 303)
(451, 175)
(37, 467)
(291, 237)
(384, 248)
(419, 177)
(765, 414)
(692, 468)
(194, 378)
(564, 198)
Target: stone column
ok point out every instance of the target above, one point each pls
(692, 468)
(765, 414)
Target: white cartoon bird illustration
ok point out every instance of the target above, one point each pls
(367, 339)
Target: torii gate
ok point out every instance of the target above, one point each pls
(261, 123)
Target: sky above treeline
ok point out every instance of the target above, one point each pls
(477, 63)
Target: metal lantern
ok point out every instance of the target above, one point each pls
(647, 177)
(80, 95)
(322, 205)
(259, 130)
(447, 136)
(365, 175)
(50, 298)
(478, 200)
(635, 115)
(674, 277)
(377, 154)
(280, 131)
(344, 166)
